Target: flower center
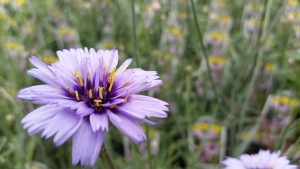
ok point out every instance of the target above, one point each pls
(86, 91)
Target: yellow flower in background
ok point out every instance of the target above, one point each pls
(166, 85)
(253, 7)
(225, 19)
(49, 59)
(182, 15)
(203, 126)
(245, 135)
(107, 44)
(291, 17)
(20, 3)
(151, 132)
(252, 24)
(65, 31)
(11, 91)
(285, 100)
(219, 4)
(269, 67)
(176, 31)
(217, 36)
(269, 43)
(292, 3)
(5, 2)
(7, 19)
(219, 60)
(12, 45)
(166, 56)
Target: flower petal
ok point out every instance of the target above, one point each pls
(86, 145)
(99, 121)
(127, 126)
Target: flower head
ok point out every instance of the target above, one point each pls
(85, 90)
(263, 160)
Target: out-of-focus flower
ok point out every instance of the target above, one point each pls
(283, 103)
(38, 165)
(48, 59)
(291, 17)
(266, 79)
(268, 67)
(151, 9)
(200, 128)
(107, 44)
(216, 62)
(7, 19)
(5, 2)
(175, 39)
(264, 159)
(269, 42)
(257, 136)
(27, 28)
(84, 90)
(292, 4)
(67, 33)
(175, 33)
(211, 132)
(56, 15)
(215, 38)
(13, 48)
(154, 137)
(219, 5)
(10, 117)
(253, 8)
(251, 25)
(296, 29)
(20, 3)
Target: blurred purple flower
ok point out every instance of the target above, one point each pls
(83, 92)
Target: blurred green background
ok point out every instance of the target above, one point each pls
(230, 72)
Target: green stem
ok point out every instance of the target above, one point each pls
(148, 146)
(257, 63)
(134, 33)
(200, 37)
(107, 157)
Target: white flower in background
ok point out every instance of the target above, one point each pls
(263, 160)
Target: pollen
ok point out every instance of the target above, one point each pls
(78, 78)
(111, 78)
(69, 89)
(90, 94)
(77, 95)
(97, 102)
(100, 92)
(103, 70)
(112, 106)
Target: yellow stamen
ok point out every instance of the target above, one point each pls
(78, 78)
(113, 106)
(90, 94)
(111, 78)
(97, 102)
(125, 84)
(126, 98)
(100, 92)
(103, 70)
(77, 95)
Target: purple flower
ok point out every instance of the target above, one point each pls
(83, 91)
